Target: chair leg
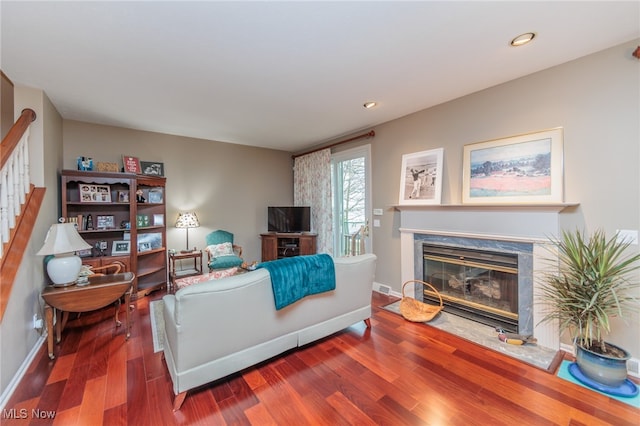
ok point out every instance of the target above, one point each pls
(367, 322)
(118, 322)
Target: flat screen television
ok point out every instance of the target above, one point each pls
(289, 219)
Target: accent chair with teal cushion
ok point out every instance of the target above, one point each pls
(221, 252)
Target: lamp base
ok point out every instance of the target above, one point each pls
(64, 269)
(65, 284)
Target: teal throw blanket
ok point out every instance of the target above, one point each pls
(293, 278)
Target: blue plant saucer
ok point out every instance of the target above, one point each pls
(627, 389)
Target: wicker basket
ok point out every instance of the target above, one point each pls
(416, 311)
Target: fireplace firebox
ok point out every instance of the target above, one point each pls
(480, 285)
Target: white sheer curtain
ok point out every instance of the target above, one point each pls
(312, 187)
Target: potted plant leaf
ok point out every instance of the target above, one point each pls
(593, 284)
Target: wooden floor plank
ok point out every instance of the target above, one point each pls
(116, 415)
(62, 368)
(322, 412)
(253, 378)
(67, 417)
(202, 409)
(259, 415)
(74, 388)
(352, 414)
(48, 400)
(100, 357)
(116, 373)
(92, 408)
(139, 409)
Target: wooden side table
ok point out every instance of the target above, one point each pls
(174, 273)
(101, 291)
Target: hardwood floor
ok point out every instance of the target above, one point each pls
(396, 373)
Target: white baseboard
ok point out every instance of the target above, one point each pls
(15, 381)
(567, 348)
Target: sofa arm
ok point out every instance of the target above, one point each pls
(171, 328)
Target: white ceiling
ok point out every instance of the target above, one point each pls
(286, 75)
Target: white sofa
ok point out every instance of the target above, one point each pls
(220, 327)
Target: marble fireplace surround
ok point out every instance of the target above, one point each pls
(521, 229)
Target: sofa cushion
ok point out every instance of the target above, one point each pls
(215, 275)
(216, 250)
(223, 262)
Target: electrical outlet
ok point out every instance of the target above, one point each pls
(37, 322)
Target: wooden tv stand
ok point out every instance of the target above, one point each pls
(279, 245)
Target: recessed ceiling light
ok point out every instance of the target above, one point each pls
(369, 105)
(522, 39)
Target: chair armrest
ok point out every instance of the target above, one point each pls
(116, 267)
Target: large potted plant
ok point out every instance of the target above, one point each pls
(592, 284)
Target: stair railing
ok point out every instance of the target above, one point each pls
(15, 180)
(357, 241)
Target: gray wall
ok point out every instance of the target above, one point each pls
(229, 186)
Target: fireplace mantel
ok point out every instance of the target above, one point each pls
(553, 207)
(535, 221)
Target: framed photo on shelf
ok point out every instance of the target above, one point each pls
(523, 169)
(120, 247)
(123, 196)
(85, 163)
(131, 164)
(142, 221)
(158, 220)
(155, 195)
(152, 168)
(94, 193)
(105, 222)
(142, 247)
(421, 177)
(154, 239)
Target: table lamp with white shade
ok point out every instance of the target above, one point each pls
(187, 220)
(62, 241)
